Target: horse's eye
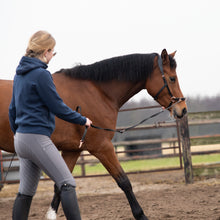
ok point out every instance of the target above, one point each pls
(172, 79)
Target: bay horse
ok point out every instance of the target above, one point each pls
(101, 89)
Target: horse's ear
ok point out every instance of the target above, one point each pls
(165, 56)
(173, 54)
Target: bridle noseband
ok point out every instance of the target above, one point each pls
(173, 98)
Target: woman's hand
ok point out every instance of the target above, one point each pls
(88, 122)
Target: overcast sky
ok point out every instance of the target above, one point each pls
(87, 31)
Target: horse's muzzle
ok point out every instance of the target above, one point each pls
(176, 115)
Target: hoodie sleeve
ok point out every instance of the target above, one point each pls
(12, 114)
(47, 91)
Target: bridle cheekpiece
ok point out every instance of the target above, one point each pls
(173, 98)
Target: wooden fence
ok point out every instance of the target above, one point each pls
(175, 146)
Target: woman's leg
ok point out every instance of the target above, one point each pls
(45, 155)
(29, 178)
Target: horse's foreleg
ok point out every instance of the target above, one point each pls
(110, 161)
(124, 183)
(70, 158)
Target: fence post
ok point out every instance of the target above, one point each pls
(83, 169)
(185, 139)
(1, 171)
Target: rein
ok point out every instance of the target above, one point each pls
(121, 131)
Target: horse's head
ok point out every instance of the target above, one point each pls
(164, 87)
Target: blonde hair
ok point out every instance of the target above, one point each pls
(40, 42)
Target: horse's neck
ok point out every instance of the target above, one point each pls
(120, 92)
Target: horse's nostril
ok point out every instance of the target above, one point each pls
(184, 111)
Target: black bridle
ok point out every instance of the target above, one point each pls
(173, 98)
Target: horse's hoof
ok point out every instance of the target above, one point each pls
(51, 214)
(143, 217)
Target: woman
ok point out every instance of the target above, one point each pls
(32, 111)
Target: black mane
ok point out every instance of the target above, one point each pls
(134, 67)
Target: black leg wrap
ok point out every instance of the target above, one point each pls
(69, 202)
(56, 199)
(124, 183)
(21, 207)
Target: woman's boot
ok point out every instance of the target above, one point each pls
(21, 207)
(69, 202)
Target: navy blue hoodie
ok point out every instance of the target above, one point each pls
(35, 101)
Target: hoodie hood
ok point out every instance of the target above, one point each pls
(29, 63)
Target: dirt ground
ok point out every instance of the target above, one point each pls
(162, 196)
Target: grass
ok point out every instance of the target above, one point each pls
(205, 159)
(205, 141)
(148, 164)
(203, 115)
(206, 171)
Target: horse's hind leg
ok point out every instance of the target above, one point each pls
(110, 161)
(70, 158)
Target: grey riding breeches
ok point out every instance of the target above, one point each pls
(37, 152)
